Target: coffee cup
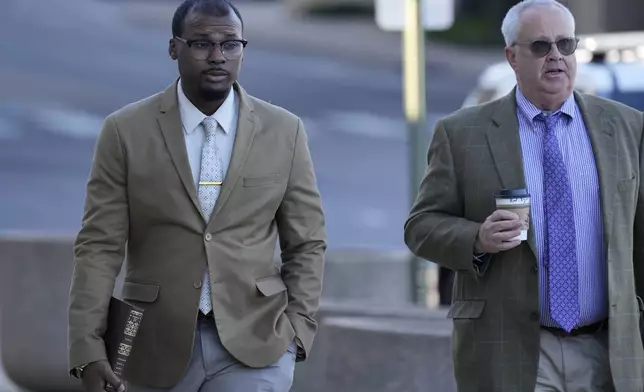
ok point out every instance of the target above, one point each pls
(517, 201)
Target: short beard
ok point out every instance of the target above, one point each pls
(214, 95)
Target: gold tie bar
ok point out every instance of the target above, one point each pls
(211, 183)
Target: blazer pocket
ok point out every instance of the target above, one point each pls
(626, 185)
(261, 181)
(270, 285)
(466, 310)
(142, 292)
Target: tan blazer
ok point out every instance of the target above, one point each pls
(474, 153)
(141, 199)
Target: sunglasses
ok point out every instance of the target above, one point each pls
(541, 48)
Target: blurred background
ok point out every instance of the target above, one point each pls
(66, 64)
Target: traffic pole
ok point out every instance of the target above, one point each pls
(416, 118)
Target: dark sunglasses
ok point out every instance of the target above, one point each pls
(541, 48)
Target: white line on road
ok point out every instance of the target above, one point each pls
(78, 124)
(369, 124)
(70, 123)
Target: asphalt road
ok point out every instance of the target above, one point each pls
(68, 63)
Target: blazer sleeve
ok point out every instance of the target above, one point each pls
(301, 227)
(638, 230)
(436, 229)
(99, 248)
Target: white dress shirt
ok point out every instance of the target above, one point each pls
(195, 134)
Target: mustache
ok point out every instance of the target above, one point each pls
(215, 71)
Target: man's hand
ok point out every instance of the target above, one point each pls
(497, 230)
(97, 375)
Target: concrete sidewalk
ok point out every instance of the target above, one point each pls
(353, 38)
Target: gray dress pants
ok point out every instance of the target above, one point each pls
(213, 369)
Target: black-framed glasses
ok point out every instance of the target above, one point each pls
(201, 49)
(541, 48)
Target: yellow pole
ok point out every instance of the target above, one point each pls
(414, 63)
(415, 115)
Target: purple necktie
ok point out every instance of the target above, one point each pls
(561, 252)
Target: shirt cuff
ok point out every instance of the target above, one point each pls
(480, 262)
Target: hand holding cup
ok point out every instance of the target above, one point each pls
(499, 232)
(508, 225)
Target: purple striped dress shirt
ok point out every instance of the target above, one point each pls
(579, 159)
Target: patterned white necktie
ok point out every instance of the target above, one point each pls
(210, 178)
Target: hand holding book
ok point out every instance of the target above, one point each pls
(99, 377)
(123, 323)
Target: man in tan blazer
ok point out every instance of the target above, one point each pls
(196, 184)
(559, 311)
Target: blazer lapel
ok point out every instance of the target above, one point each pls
(169, 121)
(600, 126)
(246, 128)
(505, 146)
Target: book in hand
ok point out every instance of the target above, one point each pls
(123, 321)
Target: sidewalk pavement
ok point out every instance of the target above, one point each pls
(359, 39)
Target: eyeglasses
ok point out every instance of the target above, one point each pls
(201, 50)
(541, 48)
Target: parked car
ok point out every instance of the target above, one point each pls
(610, 65)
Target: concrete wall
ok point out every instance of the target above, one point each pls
(369, 354)
(35, 274)
(34, 278)
(316, 374)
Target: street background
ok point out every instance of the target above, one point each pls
(61, 76)
(66, 64)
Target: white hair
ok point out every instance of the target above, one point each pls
(510, 25)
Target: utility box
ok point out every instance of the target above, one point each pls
(435, 15)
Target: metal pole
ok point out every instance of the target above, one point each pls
(416, 117)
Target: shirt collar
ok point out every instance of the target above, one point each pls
(191, 117)
(569, 107)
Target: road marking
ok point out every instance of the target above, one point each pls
(371, 125)
(367, 124)
(70, 123)
(78, 124)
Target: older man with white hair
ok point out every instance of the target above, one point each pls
(561, 310)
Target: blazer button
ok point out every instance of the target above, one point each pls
(208, 237)
(197, 284)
